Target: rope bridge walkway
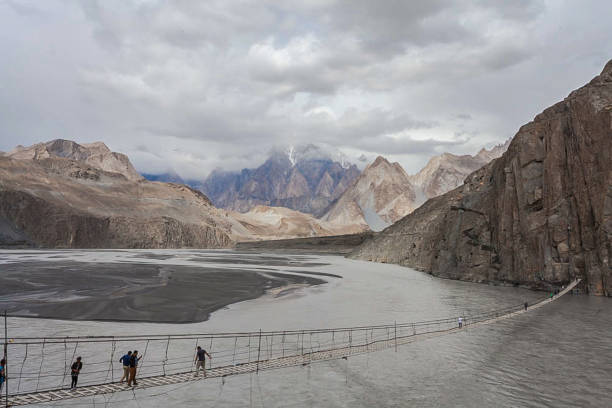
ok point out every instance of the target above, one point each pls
(39, 368)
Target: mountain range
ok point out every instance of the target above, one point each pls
(305, 178)
(65, 194)
(311, 180)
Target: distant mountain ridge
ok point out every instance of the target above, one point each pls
(311, 180)
(303, 178)
(96, 154)
(448, 171)
(384, 193)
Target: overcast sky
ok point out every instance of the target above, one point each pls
(195, 85)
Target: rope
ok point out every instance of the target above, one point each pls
(65, 364)
(210, 350)
(144, 355)
(234, 355)
(22, 364)
(111, 367)
(166, 358)
(193, 363)
(42, 358)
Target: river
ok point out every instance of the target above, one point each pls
(559, 355)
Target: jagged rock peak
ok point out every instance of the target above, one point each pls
(95, 154)
(379, 161)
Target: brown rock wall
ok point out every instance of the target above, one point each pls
(538, 216)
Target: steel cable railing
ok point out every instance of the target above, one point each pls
(175, 353)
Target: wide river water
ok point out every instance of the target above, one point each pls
(559, 355)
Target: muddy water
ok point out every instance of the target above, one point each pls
(556, 356)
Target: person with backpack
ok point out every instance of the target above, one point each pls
(125, 360)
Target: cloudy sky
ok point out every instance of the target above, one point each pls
(195, 85)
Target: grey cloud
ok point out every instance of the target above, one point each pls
(196, 85)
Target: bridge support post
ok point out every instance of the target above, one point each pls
(6, 395)
(395, 334)
(258, 352)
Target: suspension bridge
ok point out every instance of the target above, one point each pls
(38, 369)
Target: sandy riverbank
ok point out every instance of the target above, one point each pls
(132, 291)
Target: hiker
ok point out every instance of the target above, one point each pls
(526, 305)
(76, 369)
(134, 359)
(460, 322)
(2, 374)
(125, 359)
(200, 360)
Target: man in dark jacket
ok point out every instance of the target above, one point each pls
(75, 370)
(134, 359)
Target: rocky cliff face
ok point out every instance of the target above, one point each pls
(381, 195)
(305, 179)
(539, 216)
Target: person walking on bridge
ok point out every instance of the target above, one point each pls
(125, 360)
(134, 359)
(200, 360)
(2, 374)
(75, 370)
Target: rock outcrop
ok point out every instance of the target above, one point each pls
(272, 223)
(95, 154)
(539, 216)
(381, 195)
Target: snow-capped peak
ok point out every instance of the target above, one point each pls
(291, 154)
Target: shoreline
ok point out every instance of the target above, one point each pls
(134, 292)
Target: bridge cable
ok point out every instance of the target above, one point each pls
(42, 358)
(234, 355)
(210, 350)
(25, 356)
(166, 357)
(111, 371)
(193, 363)
(144, 354)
